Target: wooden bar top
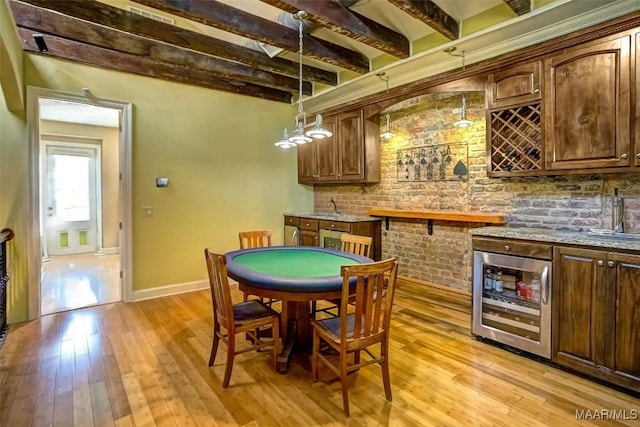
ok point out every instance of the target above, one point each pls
(439, 215)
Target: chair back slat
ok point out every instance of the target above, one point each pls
(220, 291)
(371, 307)
(359, 245)
(254, 239)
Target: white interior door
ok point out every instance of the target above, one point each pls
(71, 199)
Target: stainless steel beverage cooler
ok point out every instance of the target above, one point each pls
(512, 301)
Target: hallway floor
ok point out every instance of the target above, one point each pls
(74, 281)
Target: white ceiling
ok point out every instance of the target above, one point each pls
(71, 112)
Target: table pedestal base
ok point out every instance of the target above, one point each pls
(296, 332)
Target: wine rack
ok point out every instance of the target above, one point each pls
(515, 141)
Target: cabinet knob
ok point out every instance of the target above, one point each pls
(333, 225)
(536, 90)
(624, 156)
(611, 263)
(507, 247)
(600, 262)
(637, 155)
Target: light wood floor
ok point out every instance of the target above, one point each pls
(82, 280)
(145, 363)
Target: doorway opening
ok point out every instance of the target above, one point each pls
(80, 201)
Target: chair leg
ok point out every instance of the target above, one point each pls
(231, 353)
(385, 371)
(314, 355)
(214, 345)
(343, 381)
(314, 306)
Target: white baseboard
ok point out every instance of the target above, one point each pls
(180, 288)
(164, 291)
(107, 251)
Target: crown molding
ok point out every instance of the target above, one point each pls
(556, 19)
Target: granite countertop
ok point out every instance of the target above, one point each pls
(330, 216)
(584, 238)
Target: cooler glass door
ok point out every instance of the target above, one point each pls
(512, 301)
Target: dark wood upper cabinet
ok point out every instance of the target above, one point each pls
(514, 121)
(350, 147)
(514, 85)
(587, 106)
(325, 148)
(351, 155)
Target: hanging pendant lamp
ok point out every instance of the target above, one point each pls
(284, 142)
(387, 134)
(463, 122)
(298, 136)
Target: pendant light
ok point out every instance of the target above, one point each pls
(463, 122)
(298, 136)
(284, 142)
(387, 134)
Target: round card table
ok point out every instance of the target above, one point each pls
(295, 275)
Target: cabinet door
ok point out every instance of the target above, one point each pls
(306, 163)
(578, 308)
(636, 122)
(326, 153)
(350, 146)
(514, 85)
(624, 317)
(587, 106)
(308, 238)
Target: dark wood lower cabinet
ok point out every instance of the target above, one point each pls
(596, 314)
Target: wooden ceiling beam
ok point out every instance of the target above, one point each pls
(429, 13)
(334, 16)
(106, 58)
(236, 21)
(520, 7)
(113, 18)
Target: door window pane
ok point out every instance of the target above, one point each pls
(71, 178)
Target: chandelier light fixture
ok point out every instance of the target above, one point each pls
(298, 136)
(387, 134)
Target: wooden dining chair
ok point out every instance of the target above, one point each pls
(256, 239)
(359, 329)
(247, 316)
(352, 243)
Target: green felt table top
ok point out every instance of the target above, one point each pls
(292, 263)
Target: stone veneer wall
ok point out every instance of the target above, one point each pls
(573, 202)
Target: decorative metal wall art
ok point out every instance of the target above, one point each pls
(433, 163)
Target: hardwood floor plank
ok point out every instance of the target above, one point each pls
(145, 363)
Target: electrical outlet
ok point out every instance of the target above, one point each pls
(147, 211)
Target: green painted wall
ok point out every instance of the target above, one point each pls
(215, 147)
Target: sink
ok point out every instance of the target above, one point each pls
(612, 235)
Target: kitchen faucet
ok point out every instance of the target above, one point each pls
(618, 212)
(335, 208)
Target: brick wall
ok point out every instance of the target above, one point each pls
(574, 202)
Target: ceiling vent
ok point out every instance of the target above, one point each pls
(150, 15)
